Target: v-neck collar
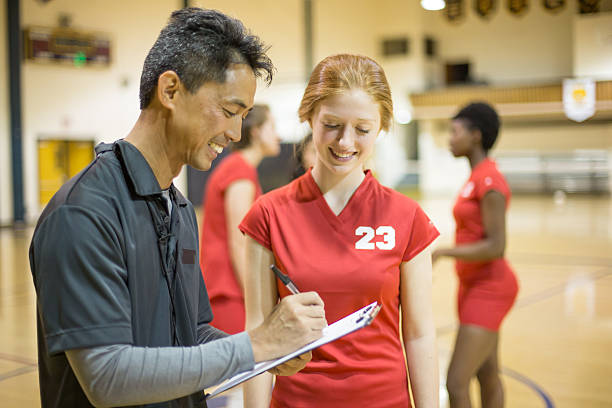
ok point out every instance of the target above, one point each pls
(353, 200)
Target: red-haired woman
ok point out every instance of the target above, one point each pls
(337, 231)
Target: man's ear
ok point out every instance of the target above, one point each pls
(168, 84)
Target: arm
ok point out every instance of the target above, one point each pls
(266, 316)
(493, 245)
(238, 199)
(207, 333)
(128, 375)
(418, 329)
(260, 297)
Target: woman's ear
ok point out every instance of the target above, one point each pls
(168, 85)
(255, 134)
(476, 137)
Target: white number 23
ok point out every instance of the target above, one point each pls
(368, 233)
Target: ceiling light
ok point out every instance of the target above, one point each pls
(433, 4)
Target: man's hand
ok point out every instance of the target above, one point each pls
(292, 366)
(294, 322)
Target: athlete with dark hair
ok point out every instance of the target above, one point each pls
(487, 284)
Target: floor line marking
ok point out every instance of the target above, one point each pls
(17, 372)
(17, 359)
(531, 384)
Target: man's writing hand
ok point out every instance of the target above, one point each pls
(294, 322)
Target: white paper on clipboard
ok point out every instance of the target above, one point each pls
(342, 327)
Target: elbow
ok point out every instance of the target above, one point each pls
(419, 331)
(500, 249)
(498, 253)
(95, 375)
(100, 394)
(96, 398)
(497, 249)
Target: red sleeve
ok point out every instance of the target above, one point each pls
(256, 224)
(491, 181)
(235, 169)
(422, 234)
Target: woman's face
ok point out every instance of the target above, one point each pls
(344, 129)
(462, 139)
(268, 138)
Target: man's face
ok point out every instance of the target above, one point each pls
(205, 122)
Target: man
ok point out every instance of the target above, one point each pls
(122, 308)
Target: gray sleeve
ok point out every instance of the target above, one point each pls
(127, 375)
(207, 333)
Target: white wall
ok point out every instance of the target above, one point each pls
(593, 46)
(6, 185)
(102, 103)
(439, 172)
(86, 103)
(506, 49)
(280, 25)
(443, 174)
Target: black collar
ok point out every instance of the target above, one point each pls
(138, 170)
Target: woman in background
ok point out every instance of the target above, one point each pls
(305, 156)
(337, 231)
(487, 285)
(230, 192)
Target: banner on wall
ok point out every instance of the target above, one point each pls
(518, 7)
(454, 10)
(553, 6)
(66, 46)
(588, 6)
(485, 8)
(579, 99)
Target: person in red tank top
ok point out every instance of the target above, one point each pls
(232, 188)
(336, 231)
(487, 284)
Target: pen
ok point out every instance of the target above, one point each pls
(285, 279)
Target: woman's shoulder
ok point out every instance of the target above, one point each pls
(234, 162)
(488, 176)
(279, 195)
(392, 196)
(231, 168)
(487, 168)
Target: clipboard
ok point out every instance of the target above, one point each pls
(353, 322)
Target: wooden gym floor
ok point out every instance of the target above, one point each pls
(556, 344)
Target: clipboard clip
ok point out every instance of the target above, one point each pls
(369, 314)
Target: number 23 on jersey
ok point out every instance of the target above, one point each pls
(367, 235)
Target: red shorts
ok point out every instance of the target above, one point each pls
(487, 297)
(228, 314)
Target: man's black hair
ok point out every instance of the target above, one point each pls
(199, 45)
(481, 116)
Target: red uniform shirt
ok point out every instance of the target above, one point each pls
(351, 260)
(222, 285)
(484, 178)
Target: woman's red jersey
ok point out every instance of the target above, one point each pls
(350, 260)
(224, 291)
